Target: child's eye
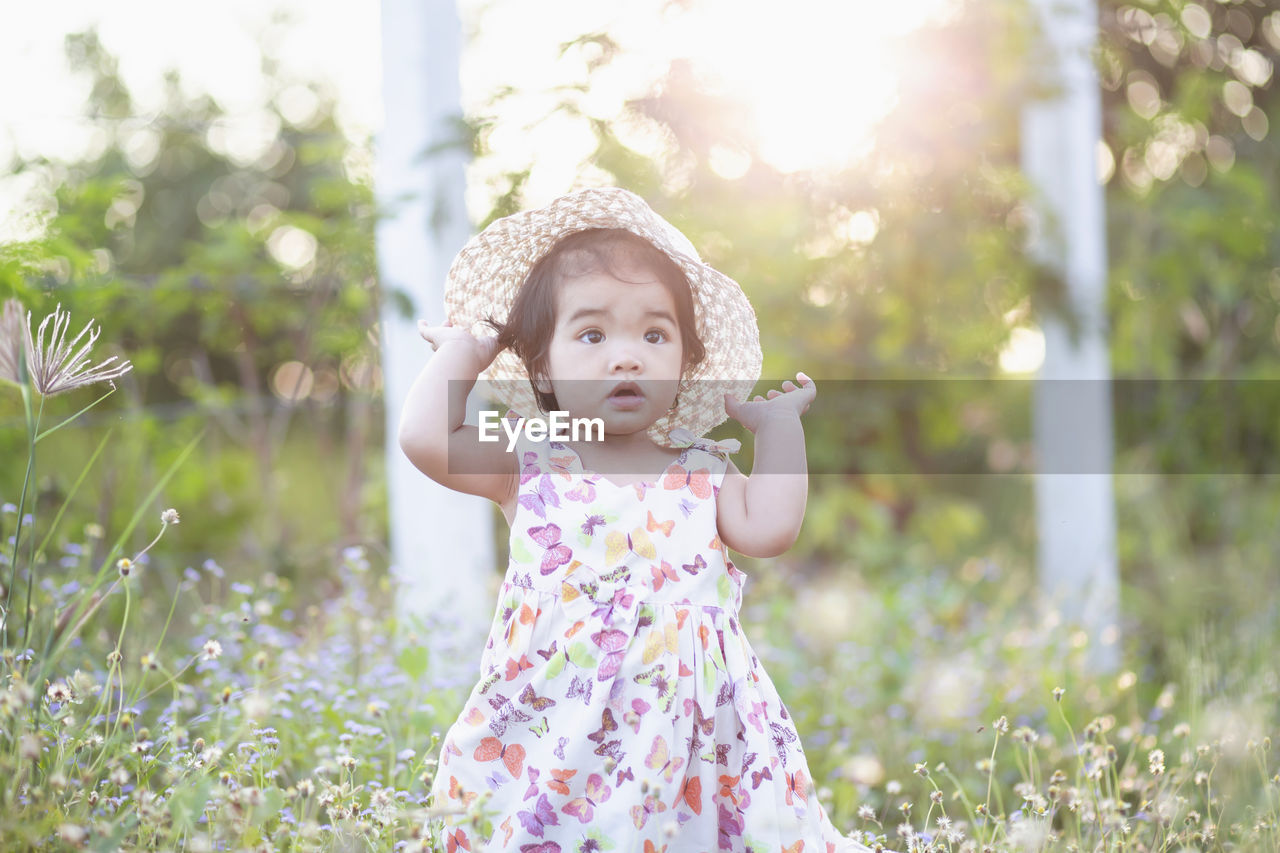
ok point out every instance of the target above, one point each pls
(655, 333)
(593, 336)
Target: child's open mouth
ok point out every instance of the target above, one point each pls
(626, 395)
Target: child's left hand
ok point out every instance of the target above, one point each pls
(787, 402)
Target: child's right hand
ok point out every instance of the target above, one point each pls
(483, 350)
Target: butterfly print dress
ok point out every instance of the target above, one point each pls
(620, 706)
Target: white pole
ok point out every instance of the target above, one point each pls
(1075, 505)
(441, 541)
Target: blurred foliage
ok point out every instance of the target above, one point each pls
(903, 265)
(242, 289)
(909, 264)
(1190, 107)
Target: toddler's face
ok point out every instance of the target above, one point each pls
(610, 332)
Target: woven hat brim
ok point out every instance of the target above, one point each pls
(488, 272)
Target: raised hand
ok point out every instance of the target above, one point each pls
(791, 401)
(482, 350)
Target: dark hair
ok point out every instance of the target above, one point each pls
(532, 319)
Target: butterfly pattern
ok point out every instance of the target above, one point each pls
(618, 696)
(583, 807)
(554, 553)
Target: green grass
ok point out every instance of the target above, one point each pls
(927, 699)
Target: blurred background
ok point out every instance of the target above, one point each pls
(200, 180)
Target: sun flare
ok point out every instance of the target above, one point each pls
(815, 75)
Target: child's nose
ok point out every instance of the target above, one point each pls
(624, 359)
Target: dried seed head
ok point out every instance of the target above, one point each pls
(58, 692)
(53, 368)
(72, 834)
(29, 746)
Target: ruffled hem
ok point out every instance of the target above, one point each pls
(680, 734)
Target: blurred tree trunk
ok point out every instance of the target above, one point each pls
(1075, 506)
(441, 542)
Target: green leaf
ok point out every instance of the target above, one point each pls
(188, 802)
(413, 661)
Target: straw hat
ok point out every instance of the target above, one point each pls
(493, 265)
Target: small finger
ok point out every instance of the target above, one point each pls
(788, 385)
(758, 399)
(774, 392)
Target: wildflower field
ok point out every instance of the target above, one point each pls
(199, 644)
(147, 705)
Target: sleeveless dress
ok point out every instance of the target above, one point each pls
(620, 706)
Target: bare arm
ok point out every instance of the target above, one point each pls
(761, 515)
(432, 434)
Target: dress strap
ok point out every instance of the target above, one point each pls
(681, 437)
(715, 452)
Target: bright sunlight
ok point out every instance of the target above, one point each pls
(816, 78)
